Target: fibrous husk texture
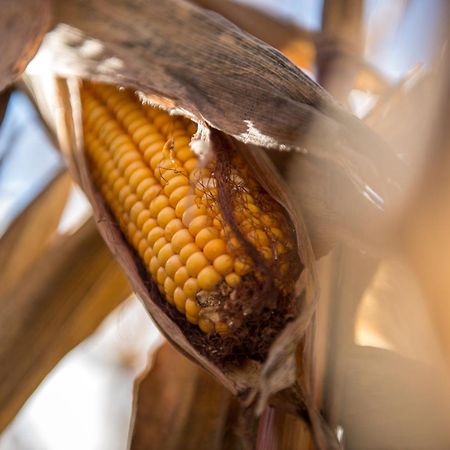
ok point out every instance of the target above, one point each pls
(196, 63)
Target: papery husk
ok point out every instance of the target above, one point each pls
(279, 380)
(22, 26)
(179, 54)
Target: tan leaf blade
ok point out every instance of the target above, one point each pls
(178, 406)
(71, 285)
(22, 27)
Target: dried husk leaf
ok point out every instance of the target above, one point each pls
(182, 57)
(179, 54)
(22, 27)
(178, 406)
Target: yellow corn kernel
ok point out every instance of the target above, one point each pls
(195, 263)
(214, 248)
(224, 264)
(208, 277)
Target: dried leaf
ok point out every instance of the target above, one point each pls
(32, 231)
(192, 60)
(22, 27)
(72, 285)
(178, 406)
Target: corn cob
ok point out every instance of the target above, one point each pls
(166, 201)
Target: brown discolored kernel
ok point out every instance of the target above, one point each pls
(221, 328)
(206, 325)
(241, 266)
(258, 238)
(266, 253)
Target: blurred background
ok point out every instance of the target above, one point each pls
(382, 355)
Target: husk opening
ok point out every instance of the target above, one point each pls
(256, 381)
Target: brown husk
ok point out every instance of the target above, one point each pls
(180, 55)
(166, 50)
(22, 27)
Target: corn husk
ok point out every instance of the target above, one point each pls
(195, 63)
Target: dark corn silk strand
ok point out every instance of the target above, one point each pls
(166, 204)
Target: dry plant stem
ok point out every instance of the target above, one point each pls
(340, 45)
(22, 27)
(71, 285)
